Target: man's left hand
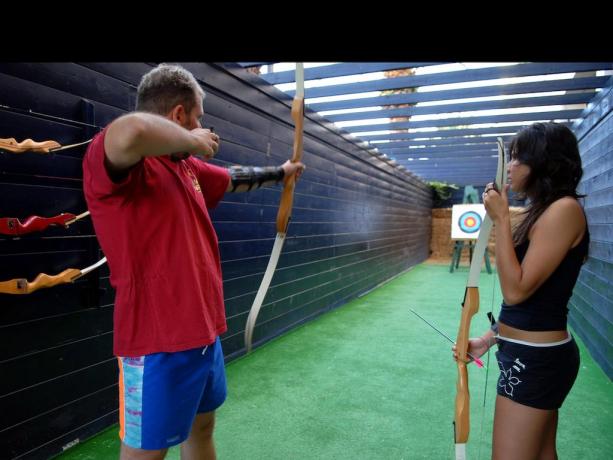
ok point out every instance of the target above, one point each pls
(290, 168)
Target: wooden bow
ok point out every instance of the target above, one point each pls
(285, 207)
(14, 227)
(470, 306)
(44, 147)
(23, 286)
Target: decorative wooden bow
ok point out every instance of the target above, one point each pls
(13, 226)
(23, 286)
(285, 207)
(470, 308)
(12, 146)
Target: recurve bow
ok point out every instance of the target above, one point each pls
(470, 306)
(285, 207)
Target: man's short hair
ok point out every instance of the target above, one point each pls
(165, 87)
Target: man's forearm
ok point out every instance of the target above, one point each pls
(245, 178)
(140, 134)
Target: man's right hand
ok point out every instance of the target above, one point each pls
(137, 135)
(207, 143)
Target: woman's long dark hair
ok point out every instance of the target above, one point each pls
(552, 153)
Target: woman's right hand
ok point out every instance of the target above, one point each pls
(496, 202)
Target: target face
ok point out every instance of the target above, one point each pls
(470, 222)
(466, 221)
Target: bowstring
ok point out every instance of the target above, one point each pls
(487, 370)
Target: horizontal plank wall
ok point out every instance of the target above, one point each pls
(357, 221)
(591, 306)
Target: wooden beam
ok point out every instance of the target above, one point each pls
(452, 141)
(447, 133)
(516, 117)
(461, 76)
(341, 70)
(566, 99)
(571, 84)
(439, 150)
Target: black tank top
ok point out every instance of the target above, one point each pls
(547, 308)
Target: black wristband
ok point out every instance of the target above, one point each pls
(252, 177)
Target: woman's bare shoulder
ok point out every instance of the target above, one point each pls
(564, 216)
(567, 207)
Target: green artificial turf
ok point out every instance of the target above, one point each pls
(370, 380)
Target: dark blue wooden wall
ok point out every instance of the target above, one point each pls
(591, 307)
(357, 221)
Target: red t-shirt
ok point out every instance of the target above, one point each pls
(162, 250)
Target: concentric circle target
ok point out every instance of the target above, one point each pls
(470, 222)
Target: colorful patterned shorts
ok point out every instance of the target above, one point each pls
(161, 393)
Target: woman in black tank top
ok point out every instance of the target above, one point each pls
(538, 264)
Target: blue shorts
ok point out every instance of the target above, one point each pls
(161, 393)
(535, 376)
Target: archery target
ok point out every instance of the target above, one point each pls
(470, 222)
(466, 220)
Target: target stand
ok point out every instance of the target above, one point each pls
(458, 247)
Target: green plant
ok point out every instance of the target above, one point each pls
(442, 191)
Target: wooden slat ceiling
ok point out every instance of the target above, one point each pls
(434, 131)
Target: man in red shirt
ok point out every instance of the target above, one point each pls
(148, 197)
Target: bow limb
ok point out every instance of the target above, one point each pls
(13, 226)
(28, 145)
(287, 196)
(462, 401)
(285, 208)
(470, 306)
(23, 286)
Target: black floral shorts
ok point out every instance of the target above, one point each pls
(539, 377)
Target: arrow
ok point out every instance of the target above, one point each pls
(477, 361)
